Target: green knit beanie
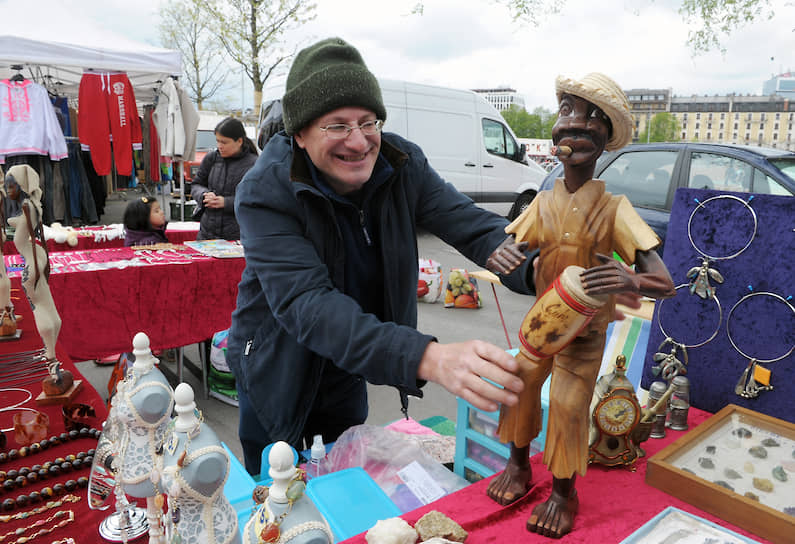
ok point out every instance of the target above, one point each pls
(325, 76)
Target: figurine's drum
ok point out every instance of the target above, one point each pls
(558, 315)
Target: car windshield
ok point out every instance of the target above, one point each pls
(785, 165)
(205, 139)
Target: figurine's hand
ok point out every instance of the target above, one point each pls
(507, 257)
(609, 278)
(642, 432)
(461, 367)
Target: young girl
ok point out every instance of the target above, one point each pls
(144, 222)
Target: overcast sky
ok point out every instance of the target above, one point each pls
(474, 44)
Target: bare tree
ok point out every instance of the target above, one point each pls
(252, 33)
(185, 26)
(715, 19)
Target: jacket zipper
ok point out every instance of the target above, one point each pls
(364, 228)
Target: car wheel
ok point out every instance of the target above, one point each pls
(521, 203)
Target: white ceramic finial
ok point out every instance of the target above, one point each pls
(144, 360)
(185, 408)
(282, 470)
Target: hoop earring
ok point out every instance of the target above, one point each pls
(669, 364)
(700, 276)
(748, 387)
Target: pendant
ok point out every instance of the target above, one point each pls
(748, 387)
(669, 365)
(699, 277)
(270, 533)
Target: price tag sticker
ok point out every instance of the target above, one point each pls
(420, 483)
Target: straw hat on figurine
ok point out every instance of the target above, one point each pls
(604, 92)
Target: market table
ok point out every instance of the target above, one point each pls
(84, 527)
(614, 503)
(110, 236)
(177, 297)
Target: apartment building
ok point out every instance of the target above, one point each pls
(502, 98)
(761, 120)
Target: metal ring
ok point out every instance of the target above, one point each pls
(702, 204)
(6, 408)
(708, 340)
(728, 334)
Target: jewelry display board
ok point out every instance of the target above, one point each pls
(738, 465)
(753, 244)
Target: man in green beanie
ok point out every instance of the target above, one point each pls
(327, 302)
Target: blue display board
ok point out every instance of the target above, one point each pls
(761, 326)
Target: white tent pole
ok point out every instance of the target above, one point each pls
(182, 191)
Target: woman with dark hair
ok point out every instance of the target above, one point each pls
(144, 222)
(215, 183)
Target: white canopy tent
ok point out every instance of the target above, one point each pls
(56, 47)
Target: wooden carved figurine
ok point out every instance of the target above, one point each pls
(22, 185)
(8, 320)
(576, 223)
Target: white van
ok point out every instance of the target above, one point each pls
(464, 137)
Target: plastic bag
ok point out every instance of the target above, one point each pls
(462, 290)
(409, 476)
(429, 281)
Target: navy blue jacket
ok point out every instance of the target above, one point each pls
(292, 316)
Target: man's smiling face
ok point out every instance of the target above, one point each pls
(347, 163)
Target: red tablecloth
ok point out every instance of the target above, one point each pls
(614, 503)
(177, 298)
(85, 527)
(176, 234)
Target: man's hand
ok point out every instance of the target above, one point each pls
(211, 200)
(461, 367)
(507, 257)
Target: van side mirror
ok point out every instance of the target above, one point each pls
(522, 155)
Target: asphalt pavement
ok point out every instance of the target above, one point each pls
(448, 325)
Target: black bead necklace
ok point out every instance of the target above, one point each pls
(18, 478)
(54, 440)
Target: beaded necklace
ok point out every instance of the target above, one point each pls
(38, 510)
(54, 440)
(171, 440)
(14, 479)
(65, 516)
(268, 524)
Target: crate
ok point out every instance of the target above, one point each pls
(478, 451)
(239, 487)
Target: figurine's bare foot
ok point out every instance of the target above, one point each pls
(511, 484)
(555, 516)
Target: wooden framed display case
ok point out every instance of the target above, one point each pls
(670, 525)
(738, 465)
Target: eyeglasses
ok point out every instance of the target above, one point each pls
(340, 131)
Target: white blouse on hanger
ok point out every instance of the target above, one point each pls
(28, 124)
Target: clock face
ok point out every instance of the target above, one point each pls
(616, 415)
